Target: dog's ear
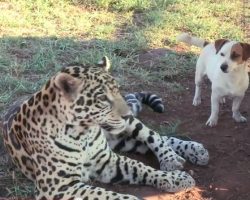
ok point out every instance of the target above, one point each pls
(246, 51)
(219, 43)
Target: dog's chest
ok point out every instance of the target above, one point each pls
(234, 87)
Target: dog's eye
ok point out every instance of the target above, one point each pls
(222, 54)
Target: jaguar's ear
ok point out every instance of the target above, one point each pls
(105, 63)
(219, 44)
(67, 85)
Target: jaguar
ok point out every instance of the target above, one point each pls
(64, 135)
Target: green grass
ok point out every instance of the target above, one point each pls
(38, 37)
(21, 190)
(125, 5)
(17, 185)
(170, 129)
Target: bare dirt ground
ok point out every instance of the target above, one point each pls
(227, 176)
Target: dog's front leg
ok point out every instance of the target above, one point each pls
(198, 80)
(215, 99)
(235, 109)
(197, 96)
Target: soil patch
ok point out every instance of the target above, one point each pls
(227, 176)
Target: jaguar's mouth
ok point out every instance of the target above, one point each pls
(113, 129)
(107, 127)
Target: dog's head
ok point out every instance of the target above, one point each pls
(232, 55)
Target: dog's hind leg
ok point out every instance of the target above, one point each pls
(199, 74)
(235, 109)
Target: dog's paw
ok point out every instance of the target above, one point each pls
(223, 100)
(239, 118)
(197, 101)
(212, 121)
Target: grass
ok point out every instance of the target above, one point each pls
(22, 190)
(166, 128)
(51, 33)
(17, 185)
(37, 37)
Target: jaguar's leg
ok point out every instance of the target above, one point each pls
(75, 189)
(123, 169)
(195, 152)
(125, 143)
(168, 159)
(116, 169)
(192, 151)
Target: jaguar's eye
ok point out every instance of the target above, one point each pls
(103, 98)
(222, 54)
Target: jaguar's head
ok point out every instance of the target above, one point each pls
(92, 96)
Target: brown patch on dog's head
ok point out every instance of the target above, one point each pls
(205, 43)
(219, 43)
(237, 53)
(246, 51)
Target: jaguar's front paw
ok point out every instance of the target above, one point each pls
(172, 162)
(177, 181)
(197, 154)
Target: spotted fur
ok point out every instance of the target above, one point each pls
(57, 139)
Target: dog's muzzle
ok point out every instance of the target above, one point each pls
(224, 68)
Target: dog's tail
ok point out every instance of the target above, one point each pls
(185, 37)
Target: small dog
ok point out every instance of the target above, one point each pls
(225, 64)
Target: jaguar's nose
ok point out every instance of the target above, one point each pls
(122, 108)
